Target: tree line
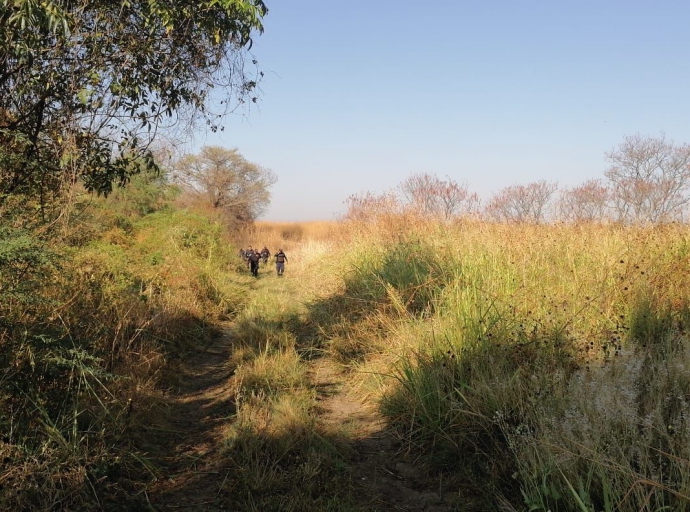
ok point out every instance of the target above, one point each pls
(647, 181)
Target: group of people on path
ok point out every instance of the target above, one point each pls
(253, 257)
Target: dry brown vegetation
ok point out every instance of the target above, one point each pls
(501, 356)
(286, 233)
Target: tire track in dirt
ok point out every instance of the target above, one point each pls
(192, 474)
(383, 477)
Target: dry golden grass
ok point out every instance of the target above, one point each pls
(467, 322)
(546, 342)
(290, 234)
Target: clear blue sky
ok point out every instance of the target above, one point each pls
(361, 94)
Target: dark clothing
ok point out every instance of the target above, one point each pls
(253, 258)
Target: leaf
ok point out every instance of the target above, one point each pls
(84, 95)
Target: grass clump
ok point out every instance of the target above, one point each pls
(270, 374)
(381, 284)
(280, 458)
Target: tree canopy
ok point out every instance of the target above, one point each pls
(224, 180)
(85, 84)
(649, 179)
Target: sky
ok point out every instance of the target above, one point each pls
(359, 95)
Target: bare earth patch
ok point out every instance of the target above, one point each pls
(193, 477)
(385, 478)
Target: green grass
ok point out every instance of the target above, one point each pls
(275, 445)
(94, 312)
(550, 366)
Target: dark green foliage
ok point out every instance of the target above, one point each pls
(84, 86)
(147, 192)
(650, 324)
(24, 263)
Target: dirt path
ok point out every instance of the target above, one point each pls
(193, 476)
(385, 478)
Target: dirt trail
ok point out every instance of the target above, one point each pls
(193, 476)
(384, 477)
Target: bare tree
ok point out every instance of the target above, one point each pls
(223, 179)
(415, 192)
(522, 203)
(432, 196)
(456, 200)
(585, 203)
(369, 206)
(649, 179)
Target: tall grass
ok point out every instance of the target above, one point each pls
(94, 312)
(290, 234)
(548, 362)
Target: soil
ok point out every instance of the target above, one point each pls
(385, 475)
(193, 477)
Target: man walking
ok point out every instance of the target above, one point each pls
(281, 259)
(265, 254)
(253, 257)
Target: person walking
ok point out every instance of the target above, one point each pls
(253, 257)
(265, 254)
(281, 259)
(245, 254)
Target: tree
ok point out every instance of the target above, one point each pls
(368, 206)
(224, 180)
(585, 203)
(147, 192)
(649, 179)
(434, 197)
(85, 84)
(521, 203)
